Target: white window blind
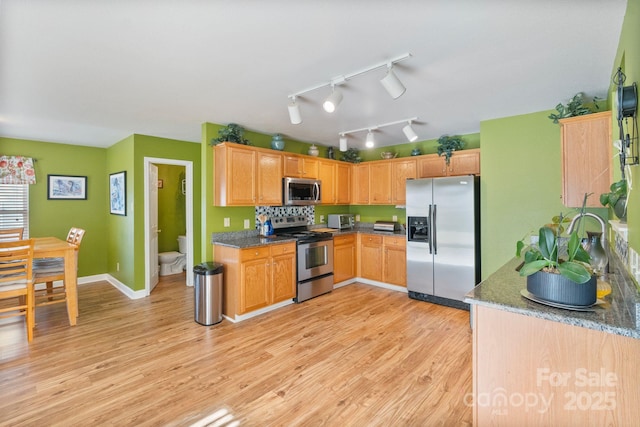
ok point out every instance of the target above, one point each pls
(14, 207)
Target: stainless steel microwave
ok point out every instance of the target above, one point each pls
(300, 191)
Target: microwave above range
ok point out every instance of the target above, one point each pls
(301, 191)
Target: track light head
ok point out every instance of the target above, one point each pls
(333, 100)
(343, 143)
(392, 83)
(370, 141)
(294, 112)
(409, 133)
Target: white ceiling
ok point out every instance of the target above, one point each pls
(94, 72)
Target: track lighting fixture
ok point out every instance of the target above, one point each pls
(294, 112)
(333, 100)
(343, 142)
(390, 82)
(409, 133)
(370, 140)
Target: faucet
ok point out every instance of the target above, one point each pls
(579, 217)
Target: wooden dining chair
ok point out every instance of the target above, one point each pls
(49, 270)
(11, 234)
(16, 281)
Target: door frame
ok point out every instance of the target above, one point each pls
(188, 165)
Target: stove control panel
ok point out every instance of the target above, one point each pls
(289, 221)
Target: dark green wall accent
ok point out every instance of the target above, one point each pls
(171, 207)
(55, 217)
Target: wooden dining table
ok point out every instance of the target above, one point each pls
(53, 247)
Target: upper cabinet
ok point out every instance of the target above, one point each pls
(400, 172)
(336, 182)
(586, 158)
(245, 176)
(300, 167)
(360, 184)
(465, 162)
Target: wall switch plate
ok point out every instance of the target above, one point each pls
(227, 222)
(357, 217)
(394, 218)
(246, 224)
(117, 266)
(322, 219)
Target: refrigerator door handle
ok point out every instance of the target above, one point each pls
(430, 230)
(434, 233)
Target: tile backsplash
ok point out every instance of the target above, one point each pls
(278, 211)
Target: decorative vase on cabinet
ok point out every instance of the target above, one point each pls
(277, 143)
(313, 150)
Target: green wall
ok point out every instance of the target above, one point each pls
(55, 217)
(171, 207)
(628, 57)
(120, 237)
(156, 147)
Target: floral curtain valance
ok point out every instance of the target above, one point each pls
(17, 170)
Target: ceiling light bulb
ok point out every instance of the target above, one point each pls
(392, 84)
(294, 113)
(409, 133)
(369, 142)
(332, 102)
(343, 143)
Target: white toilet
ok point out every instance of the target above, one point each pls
(174, 262)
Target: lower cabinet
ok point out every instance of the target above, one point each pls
(256, 277)
(344, 257)
(383, 258)
(370, 265)
(394, 260)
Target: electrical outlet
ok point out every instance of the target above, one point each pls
(246, 224)
(394, 218)
(117, 266)
(227, 222)
(358, 218)
(321, 219)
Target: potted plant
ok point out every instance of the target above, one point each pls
(569, 281)
(616, 199)
(351, 156)
(448, 144)
(575, 107)
(231, 133)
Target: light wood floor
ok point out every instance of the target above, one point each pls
(359, 356)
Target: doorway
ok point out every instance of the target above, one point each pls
(151, 229)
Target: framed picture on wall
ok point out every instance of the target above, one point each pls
(118, 193)
(66, 187)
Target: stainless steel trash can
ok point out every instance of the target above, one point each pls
(207, 285)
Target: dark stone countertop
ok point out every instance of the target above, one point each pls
(251, 238)
(619, 315)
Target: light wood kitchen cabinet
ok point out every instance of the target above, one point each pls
(343, 184)
(370, 256)
(326, 174)
(380, 183)
(344, 257)
(256, 277)
(394, 260)
(360, 184)
(245, 176)
(586, 158)
(300, 166)
(336, 182)
(400, 172)
(465, 162)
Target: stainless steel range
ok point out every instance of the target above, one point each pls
(314, 254)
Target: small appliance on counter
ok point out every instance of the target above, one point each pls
(390, 226)
(340, 221)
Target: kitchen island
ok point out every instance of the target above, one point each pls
(538, 365)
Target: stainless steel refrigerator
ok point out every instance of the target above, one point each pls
(443, 239)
